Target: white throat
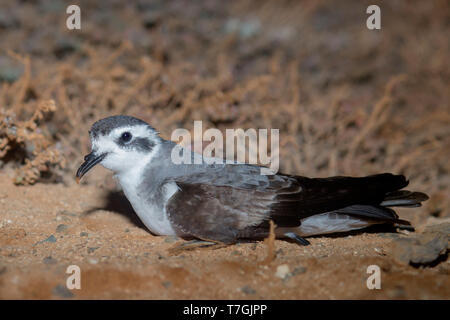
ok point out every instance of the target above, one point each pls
(154, 218)
(131, 178)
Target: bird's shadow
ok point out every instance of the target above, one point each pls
(115, 201)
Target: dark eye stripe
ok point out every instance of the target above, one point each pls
(139, 144)
(143, 144)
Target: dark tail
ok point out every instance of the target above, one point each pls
(366, 197)
(382, 212)
(404, 198)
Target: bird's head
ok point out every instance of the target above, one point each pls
(120, 143)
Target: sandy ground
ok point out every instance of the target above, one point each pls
(46, 228)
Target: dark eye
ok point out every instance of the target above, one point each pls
(126, 136)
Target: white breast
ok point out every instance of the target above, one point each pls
(154, 217)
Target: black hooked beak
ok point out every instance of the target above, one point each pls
(90, 161)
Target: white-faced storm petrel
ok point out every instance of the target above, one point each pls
(224, 203)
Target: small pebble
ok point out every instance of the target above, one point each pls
(61, 228)
(51, 239)
(282, 271)
(248, 290)
(62, 292)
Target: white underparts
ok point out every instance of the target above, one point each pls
(152, 215)
(326, 223)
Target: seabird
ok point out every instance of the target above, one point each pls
(225, 203)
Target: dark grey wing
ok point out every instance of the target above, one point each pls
(217, 213)
(233, 201)
(237, 203)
